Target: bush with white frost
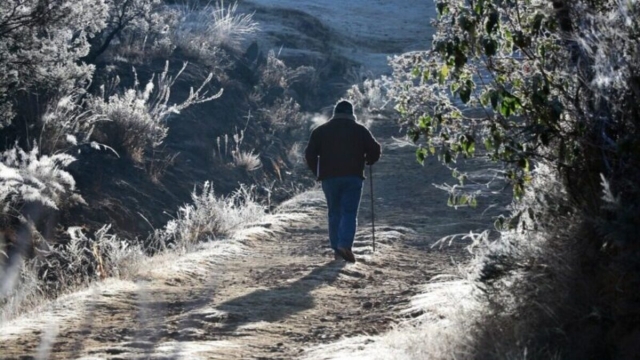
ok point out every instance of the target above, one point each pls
(60, 268)
(371, 95)
(131, 28)
(27, 177)
(283, 113)
(203, 31)
(550, 90)
(33, 59)
(136, 118)
(210, 217)
(66, 123)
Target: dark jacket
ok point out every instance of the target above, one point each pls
(341, 147)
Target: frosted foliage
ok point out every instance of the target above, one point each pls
(205, 29)
(142, 27)
(30, 177)
(371, 95)
(29, 56)
(66, 123)
(247, 160)
(140, 114)
(63, 267)
(114, 256)
(210, 216)
(284, 113)
(610, 38)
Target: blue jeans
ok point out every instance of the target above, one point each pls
(343, 199)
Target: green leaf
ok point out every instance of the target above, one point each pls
(478, 9)
(471, 149)
(490, 46)
(537, 22)
(509, 105)
(454, 87)
(447, 157)
(507, 45)
(465, 94)
(444, 74)
(443, 8)
(488, 144)
(426, 75)
(518, 190)
(484, 98)
(495, 98)
(424, 123)
(463, 200)
(466, 23)
(421, 155)
(460, 59)
(491, 24)
(523, 163)
(414, 135)
(521, 40)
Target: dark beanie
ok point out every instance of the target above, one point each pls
(343, 107)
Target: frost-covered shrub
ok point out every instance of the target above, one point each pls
(276, 74)
(213, 26)
(41, 43)
(146, 38)
(283, 114)
(203, 32)
(371, 95)
(66, 123)
(247, 160)
(100, 256)
(136, 119)
(210, 217)
(64, 267)
(27, 177)
(21, 289)
(239, 157)
(131, 26)
(542, 84)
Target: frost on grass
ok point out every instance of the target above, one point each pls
(31, 177)
(61, 268)
(241, 158)
(448, 309)
(203, 31)
(210, 217)
(66, 122)
(370, 95)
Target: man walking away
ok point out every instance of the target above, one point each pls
(337, 153)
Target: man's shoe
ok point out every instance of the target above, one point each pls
(347, 255)
(351, 255)
(336, 256)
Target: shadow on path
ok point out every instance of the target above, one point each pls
(275, 304)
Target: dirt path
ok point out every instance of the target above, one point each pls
(264, 296)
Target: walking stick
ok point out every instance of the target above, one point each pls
(373, 215)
